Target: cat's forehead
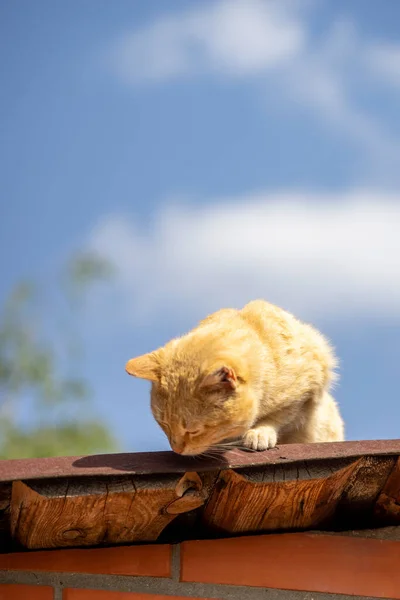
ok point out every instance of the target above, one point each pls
(174, 381)
(179, 371)
(176, 405)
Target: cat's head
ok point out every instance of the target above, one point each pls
(199, 403)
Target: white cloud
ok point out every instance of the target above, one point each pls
(273, 42)
(384, 60)
(235, 37)
(322, 89)
(316, 254)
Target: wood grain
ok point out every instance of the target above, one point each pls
(239, 505)
(356, 505)
(5, 500)
(387, 507)
(158, 463)
(337, 493)
(64, 514)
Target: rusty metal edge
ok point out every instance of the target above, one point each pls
(158, 463)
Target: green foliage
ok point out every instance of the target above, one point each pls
(38, 369)
(63, 439)
(82, 272)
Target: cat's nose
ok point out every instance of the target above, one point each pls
(178, 447)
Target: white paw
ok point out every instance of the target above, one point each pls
(260, 438)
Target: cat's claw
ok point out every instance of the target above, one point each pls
(260, 438)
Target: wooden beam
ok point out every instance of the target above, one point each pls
(64, 513)
(239, 504)
(341, 493)
(387, 508)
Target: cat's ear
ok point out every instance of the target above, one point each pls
(146, 366)
(223, 378)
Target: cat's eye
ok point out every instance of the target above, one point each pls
(193, 431)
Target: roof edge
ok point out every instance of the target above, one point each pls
(158, 463)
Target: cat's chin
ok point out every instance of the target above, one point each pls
(189, 452)
(204, 451)
(209, 451)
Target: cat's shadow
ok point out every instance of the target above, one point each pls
(142, 463)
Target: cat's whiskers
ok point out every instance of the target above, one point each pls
(233, 446)
(210, 454)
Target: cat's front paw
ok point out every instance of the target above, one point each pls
(260, 438)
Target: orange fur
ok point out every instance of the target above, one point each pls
(256, 374)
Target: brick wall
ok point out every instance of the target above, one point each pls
(290, 566)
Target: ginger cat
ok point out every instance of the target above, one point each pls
(256, 374)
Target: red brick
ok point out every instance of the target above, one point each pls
(317, 563)
(151, 560)
(74, 594)
(25, 592)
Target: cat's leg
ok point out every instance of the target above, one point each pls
(261, 437)
(317, 420)
(265, 432)
(321, 422)
(325, 423)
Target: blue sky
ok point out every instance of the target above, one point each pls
(216, 152)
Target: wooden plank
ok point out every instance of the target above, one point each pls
(64, 514)
(240, 505)
(5, 499)
(367, 480)
(143, 463)
(306, 494)
(387, 507)
(356, 505)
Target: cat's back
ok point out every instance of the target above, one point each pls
(277, 329)
(289, 355)
(284, 333)
(269, 320)
(225, 327)
(258, 316)
(225, 318)
(303, 357)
